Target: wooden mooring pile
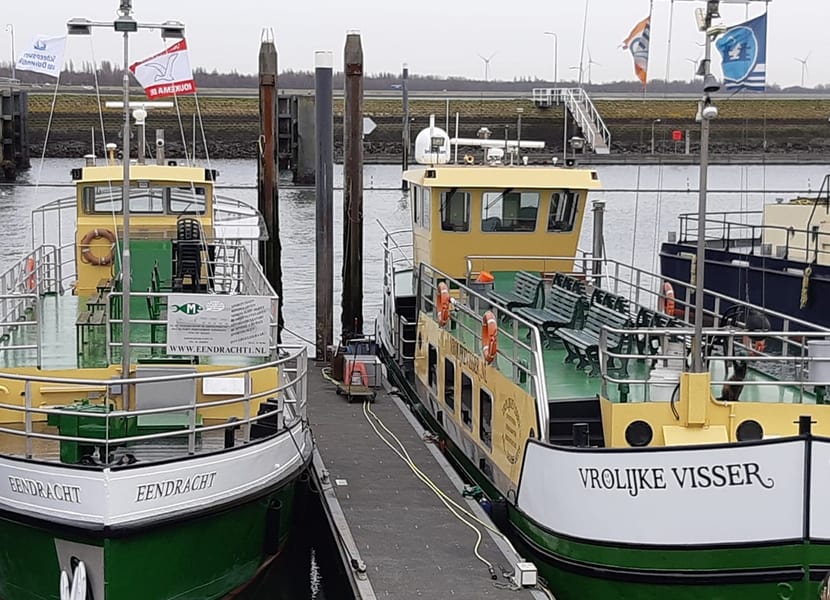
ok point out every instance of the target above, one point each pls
(14, 131)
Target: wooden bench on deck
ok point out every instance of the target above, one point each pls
(582, 344)
(650, 319)
(526, 288)
(561, 308)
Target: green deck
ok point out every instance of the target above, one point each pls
(566, 382)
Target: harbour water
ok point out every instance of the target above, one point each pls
(635, 224)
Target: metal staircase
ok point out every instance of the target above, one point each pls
(583, 112)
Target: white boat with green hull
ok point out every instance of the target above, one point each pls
(152, 429)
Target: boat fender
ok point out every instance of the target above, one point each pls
(489, 336)
(805, 286)
(273, 516)
(665, 304)
(30, 273)
(469, 159)
(86, 251)
(442, 302)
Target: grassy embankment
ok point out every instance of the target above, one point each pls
(232, 123)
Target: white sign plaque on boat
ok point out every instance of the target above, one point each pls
(208, 325)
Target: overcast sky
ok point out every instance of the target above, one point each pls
(439, 37)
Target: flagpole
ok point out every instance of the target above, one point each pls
(650, 12)
(668, 45)
(125, 236)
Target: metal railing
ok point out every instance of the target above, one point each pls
(236, 224)
(113, 323)
(21, 288)
(723, 231)
(584, 263)
(290, 392)
(643, 288)
(523, 358)
(397, 258)
(583, 111)
(791, 366)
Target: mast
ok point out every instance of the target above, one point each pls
(706, 112)
(126, 25)
(124, 11)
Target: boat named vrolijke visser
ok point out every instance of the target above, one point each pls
(152, 430)
(567, 386)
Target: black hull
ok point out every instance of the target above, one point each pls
(763, 281)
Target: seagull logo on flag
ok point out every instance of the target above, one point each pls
(167, 73)
(163, 68)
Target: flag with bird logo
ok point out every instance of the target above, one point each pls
(743, 50)
(167, 73)
(638, 43)
(44, 55)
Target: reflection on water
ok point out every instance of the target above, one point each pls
(309, 568)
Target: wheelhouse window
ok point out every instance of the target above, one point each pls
(145, 198)
(455, 211)
(415, 195)
(509, 210)
(563, 210)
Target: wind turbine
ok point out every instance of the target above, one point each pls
(803, 62)
(694, 62)
(487, 60)
(591, 61)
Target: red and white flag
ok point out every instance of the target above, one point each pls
(167, 73)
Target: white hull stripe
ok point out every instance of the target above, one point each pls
(139, 493)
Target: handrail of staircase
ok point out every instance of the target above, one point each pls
(573, 105)
(597, 118)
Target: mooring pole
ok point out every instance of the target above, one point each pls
(353, 189)
(405, 154)
(270, 250)
(323, 65)
(599, 240)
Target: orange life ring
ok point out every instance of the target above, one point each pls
(442, 302)
(665, 303)
(30, 273)
(86, 251)
(489, 336)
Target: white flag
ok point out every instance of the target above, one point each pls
(166, 73)
(44, 55)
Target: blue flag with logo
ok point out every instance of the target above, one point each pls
(743, 50)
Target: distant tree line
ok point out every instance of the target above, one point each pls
(109, 74)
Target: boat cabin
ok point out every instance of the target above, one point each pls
(171, 215)
(469, 210)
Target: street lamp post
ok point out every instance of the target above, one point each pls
(555, 56)
(10, 29)
(653, 123)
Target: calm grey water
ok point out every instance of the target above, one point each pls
(635, 224)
